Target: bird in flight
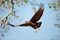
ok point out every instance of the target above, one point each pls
(33, 21)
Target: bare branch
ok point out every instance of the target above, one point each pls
(6, 15)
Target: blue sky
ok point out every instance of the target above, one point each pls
(47, 31)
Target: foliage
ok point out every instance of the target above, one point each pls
(56, 7)
(58, 20)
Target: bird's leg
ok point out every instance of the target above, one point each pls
(35, 30)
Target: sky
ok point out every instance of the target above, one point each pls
(47, 31)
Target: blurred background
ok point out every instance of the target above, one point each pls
(23, 10)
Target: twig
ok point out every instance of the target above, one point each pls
(6, 15)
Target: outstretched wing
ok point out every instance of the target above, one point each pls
(37, 15)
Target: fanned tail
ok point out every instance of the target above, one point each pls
(39, 24)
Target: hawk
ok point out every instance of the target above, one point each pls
(33, 21)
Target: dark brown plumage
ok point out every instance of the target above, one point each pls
(33, 21)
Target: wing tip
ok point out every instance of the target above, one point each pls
(42, 6)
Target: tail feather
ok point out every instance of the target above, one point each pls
(39, 24)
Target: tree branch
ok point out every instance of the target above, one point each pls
(6, 15)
